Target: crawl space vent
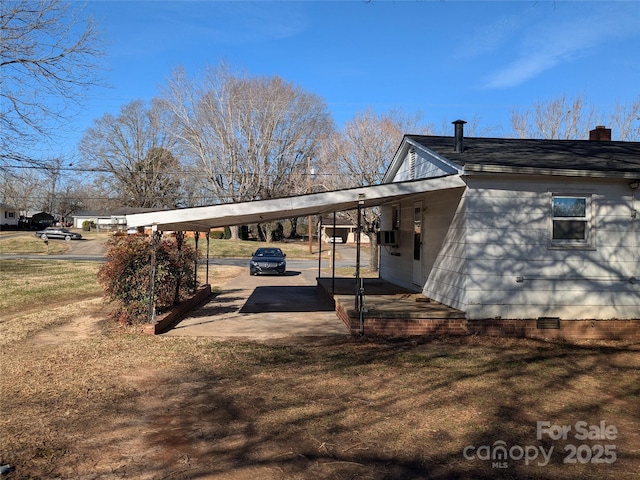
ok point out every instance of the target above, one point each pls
(548, 323)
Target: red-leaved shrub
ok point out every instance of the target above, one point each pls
(125, 276)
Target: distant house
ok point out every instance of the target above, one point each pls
(541, 228)
(9, 215)
(106, 221)
(344, 230)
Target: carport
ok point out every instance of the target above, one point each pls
(203, 219)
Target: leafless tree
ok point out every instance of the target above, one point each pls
(48, 60)
(136, 151)
(360, 155)
(251, 136)
(19, 190)
(571, 118)
(625, 121)
(560, 118)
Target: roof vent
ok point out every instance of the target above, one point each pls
(600, 134)
(458, 146)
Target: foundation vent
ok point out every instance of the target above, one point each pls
(548, 323)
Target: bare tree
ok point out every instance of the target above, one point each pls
(361, 154)
(251, 135)
(625, 121)
(136, 152)
(559, 118)
(48, 60)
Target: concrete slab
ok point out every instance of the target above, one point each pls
(265, 307)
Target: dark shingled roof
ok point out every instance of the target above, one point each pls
(596, 156)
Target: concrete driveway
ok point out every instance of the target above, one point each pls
(264, 307)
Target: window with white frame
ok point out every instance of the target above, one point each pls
(571, 220)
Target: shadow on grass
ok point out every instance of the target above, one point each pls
(375, 409)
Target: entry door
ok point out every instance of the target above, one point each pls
(417, 244)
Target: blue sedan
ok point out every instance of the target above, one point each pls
(268, 260)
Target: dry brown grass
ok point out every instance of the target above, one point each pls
(166, 407)
(110, 403)
(29, 243)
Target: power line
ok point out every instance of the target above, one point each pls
(166, 172)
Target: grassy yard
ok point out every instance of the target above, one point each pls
(29, 243)
(116, 404)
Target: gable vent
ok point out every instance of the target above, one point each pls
(412, 164)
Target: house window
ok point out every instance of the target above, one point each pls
(570, 220)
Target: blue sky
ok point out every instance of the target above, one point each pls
(446, 59)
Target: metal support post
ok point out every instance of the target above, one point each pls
(333, 257)
(196, 236)
(179, 242)
(320, 249)
(155, 242)
(208, 243)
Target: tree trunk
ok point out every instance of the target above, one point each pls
(374, 262)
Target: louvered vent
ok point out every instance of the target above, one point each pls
(412, 164)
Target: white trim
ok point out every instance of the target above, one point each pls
(204, 218)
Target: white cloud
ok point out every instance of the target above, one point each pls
(546, 45)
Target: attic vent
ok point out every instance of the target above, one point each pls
(412, 164)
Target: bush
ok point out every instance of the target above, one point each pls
(125, 276)
(87, 225)
(216, 234)
(227, 233)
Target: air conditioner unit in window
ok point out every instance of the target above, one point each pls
(388, 237)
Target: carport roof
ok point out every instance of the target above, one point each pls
(204, 218)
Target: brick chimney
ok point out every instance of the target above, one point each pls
(600, 134)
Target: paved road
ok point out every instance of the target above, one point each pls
(93, 251)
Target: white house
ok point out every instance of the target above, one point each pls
(541, 228)
(9, 215)
(106, 221)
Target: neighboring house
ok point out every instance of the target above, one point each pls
(344, 230)
(106, 221)
(9, 215)
(542, 228)
(100, 220)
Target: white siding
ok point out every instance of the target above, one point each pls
(508, 237)
(487, 251)
(444, 248)
(423, 168)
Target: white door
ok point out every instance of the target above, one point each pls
(417, 244)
